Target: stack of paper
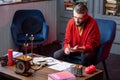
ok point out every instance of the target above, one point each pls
(51, 61)
(61, 66)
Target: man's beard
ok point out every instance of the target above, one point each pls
(79, 24)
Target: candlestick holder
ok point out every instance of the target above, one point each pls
(31, 39)
(26, 44)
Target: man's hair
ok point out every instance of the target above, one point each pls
(80, 9)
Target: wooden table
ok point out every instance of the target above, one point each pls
(42, 74)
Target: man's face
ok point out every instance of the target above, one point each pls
(78, 18)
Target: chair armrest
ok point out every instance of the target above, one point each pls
(103, 51)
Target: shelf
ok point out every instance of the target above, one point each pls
(112, 7)
(19, 2)
(69, 4)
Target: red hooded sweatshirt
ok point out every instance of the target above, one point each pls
(90, 37)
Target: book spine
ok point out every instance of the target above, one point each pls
(111, 5)
(68, 4)
(69, 8)
(112, 1)
(110, 12)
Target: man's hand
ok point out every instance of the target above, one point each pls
(74, 49)
(77, 49)
(67, 50)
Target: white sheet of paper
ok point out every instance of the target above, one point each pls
(16, 54)
(51, 60)
(37, 60)
(61, 66)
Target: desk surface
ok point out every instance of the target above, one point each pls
(42, 74)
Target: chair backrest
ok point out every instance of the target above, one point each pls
(27, 13)
(21, 15)
(107, 33)
(29, 21)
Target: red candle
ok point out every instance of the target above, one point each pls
(10, 57)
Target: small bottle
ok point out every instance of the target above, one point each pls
(10, 57)
(73, 69)
(79, 70)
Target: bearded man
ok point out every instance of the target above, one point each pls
(82, 38)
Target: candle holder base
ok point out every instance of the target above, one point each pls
(24, 74)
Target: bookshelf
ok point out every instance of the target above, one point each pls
(112, 7)
(69, 4)
(107, 9)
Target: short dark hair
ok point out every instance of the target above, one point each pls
(81, 8)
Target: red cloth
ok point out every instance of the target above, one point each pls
(90, 37)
